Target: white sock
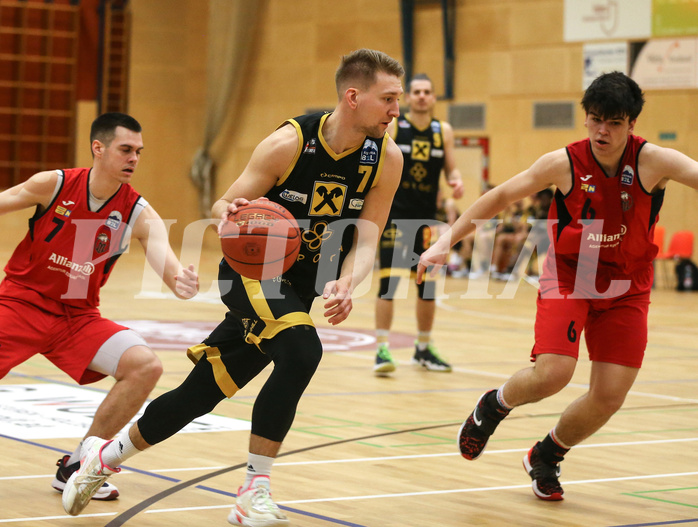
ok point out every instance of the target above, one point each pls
(119, 450)
(500, 399)
(75, 456)
(382, 336)
(423, 339)
(257, 466)
(554, 437)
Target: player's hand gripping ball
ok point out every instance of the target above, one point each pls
(261, 240)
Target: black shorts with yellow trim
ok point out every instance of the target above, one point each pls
(257, 311)
(398, 261)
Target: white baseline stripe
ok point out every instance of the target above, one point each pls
(398, 495)
(385, 458)
(401, 494)
(47, 476)
(426, 456)
(65, 517)
(506, 376)
(483, 489)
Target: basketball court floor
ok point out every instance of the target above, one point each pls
(368, 451)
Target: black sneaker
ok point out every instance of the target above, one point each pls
(477, 429)
(546, 485)
(430, 359)
(384, 361)
(106, 492)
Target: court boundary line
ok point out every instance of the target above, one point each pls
(133, 511)
(127, 515)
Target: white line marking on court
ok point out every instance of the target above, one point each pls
(64, 517)
(393, 495)
(482, 489)
(381, 496)
(48, 476)
(505, 376)
(425, 456)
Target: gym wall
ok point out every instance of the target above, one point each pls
(509, 54)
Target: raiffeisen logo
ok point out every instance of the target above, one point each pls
(87, 268)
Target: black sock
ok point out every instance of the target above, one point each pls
(495, 410)
(550, 451)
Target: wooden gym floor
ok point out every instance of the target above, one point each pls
(381, 452)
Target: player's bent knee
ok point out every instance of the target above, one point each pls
(302, 357)
(553, 372)
(607, 404)
(142, 363)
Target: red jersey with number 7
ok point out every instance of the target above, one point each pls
(624, 239)
(70, 250)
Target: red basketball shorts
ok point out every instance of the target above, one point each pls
(68, 337)
(615, 329)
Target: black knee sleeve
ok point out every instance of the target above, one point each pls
(296, 353)
(168, 414)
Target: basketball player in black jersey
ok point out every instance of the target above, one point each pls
(335, 172)
(428, 148)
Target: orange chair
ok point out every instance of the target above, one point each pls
(680, 247)
(659, 234)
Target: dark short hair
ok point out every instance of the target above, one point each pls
(104, 127)
(613, 95)
(420, 77)
(361, 66)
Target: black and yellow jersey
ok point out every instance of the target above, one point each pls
(320, 188)
(423, 151)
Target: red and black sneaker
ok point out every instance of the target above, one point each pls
(546, 485)
(478, 427)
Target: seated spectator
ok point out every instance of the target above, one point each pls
(538, 240)
(510, 237)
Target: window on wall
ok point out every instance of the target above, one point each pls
(116, 33)
(52, 54)
(38, 79)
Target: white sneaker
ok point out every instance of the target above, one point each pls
(106, 492)
(255, 508)
(88, 479)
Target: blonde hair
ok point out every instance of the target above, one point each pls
(361, 66)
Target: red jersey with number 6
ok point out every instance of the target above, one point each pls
(69, 251)
(623, 241)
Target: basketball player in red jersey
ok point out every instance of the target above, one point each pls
(596, 278)
(50, 294)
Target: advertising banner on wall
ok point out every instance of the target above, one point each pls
(603, 58)
(672, 18)
(665, 63)
(607, 19)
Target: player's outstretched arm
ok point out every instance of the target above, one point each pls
(152, 233)
(37, 190)
(658, 165)
(550, 169)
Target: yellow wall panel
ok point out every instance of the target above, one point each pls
(483, 27)
(536, 23)
(509, 54)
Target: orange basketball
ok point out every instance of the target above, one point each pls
(261, 240)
